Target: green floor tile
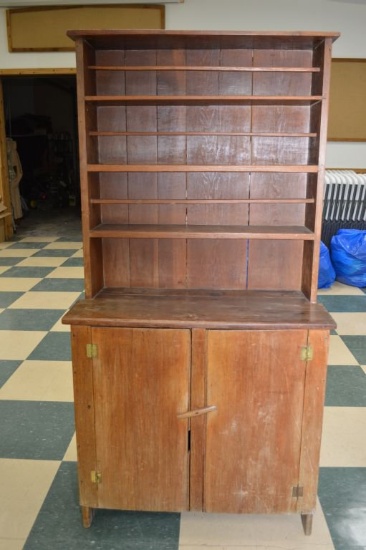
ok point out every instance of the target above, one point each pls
(54, 253)
(357, 346)
(29, 319)
(58, 525)
(27, 272)
(27, 245)
(55, 346)
(343, 303)
(7, 368)
(36, 430)
(346, 387)
(4, 261)
(342, 493)
(7, 298)
(59, 285)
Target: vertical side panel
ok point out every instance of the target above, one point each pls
(324, 58)
(198, 424)
(84, 415)
(87, 117)
(316, 372)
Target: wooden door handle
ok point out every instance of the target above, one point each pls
(197, 412)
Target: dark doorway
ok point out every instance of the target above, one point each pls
(41, 117)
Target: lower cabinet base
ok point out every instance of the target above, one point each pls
(215, 420)
(88, 513)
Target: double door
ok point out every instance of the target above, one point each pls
(195, 419)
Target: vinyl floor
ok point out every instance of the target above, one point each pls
(41, 276)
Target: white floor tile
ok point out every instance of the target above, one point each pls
(42, 261)
(344, 441)
(17, 284)
(24, 485)
(18, 252)
(19, 344)
(339, 354)
(71, 455)
(45, 300)
(339, 288)
(67, 273)
(65, 245)
(40, 381)
(350, 323)
(229, 531)
(39, 239)
(59, 327)
(11, 544)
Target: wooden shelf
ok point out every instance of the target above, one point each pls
(261, 310)
(154, 231)
(234, 134)
(218, 68)
(199, 168)
(203, 99)
(202, 201)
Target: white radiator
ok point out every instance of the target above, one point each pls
(344, 202)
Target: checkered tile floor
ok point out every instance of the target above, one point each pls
(40, 277)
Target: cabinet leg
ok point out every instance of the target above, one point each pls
(307, 523)
(87, 515)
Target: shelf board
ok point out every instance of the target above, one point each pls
(240, 309)
(204, 134)
(219, 68)
(207, 202)
(200, 168)
(154, 231)
(202, 99)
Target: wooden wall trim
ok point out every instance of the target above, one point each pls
(20, 72)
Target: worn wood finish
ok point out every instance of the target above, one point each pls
(84, 419)
(262, 310)
(198, 424)
(141, 384)
(316, 373)
(202, 159)
(258, 391)
(180, 85)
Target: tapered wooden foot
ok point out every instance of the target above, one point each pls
(87, 515)
(307, 523)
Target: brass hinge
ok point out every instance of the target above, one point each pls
(307, 353)
(96, 477)
(91, 351)
(297, 491)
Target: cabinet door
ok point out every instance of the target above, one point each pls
(253, 441)
(141, 382)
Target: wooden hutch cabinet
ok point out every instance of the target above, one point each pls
(199, 351)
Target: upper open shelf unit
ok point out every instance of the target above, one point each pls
(202, 158)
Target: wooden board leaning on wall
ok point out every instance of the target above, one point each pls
(347, 107)
(52, 23)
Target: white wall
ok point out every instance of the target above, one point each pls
(345, 16)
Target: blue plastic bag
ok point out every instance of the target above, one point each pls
(348, 253)
(327, 274)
